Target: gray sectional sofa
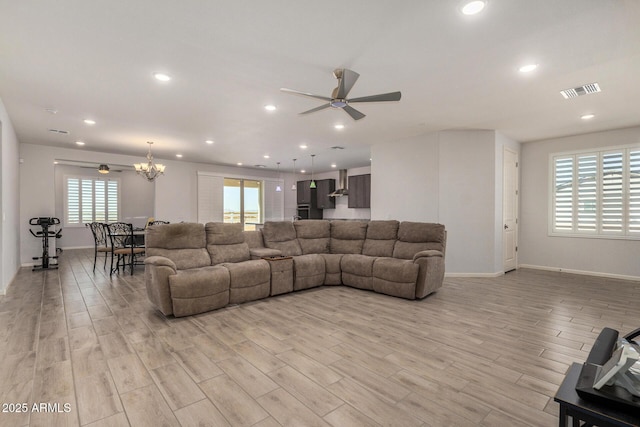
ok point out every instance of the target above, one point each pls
(192, 268)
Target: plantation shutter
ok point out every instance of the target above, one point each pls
(597, 193)
(612, 206)
(587, 193)
(113, 195)
(73, 201)
(634, 192)
(88, 200)
(563, 194)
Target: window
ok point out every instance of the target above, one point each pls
(242, 202)
(90, 199)
(596, 193)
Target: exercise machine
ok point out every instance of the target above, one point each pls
(45, 234)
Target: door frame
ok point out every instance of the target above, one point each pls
(510, 225)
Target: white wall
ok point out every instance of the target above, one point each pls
(450, 177)
(9, 196)
(467, 200)
(404, 179)
(608, 257)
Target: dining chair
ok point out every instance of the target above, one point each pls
(101, 243)
(124, 246)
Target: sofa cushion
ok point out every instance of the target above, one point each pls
(381, 238)
(225, 243)
(357, 270)
(309, 271)
(396, 270)
(198, 290)
(333, 272)
(249, 280)
(414, 237)
(347, 237)
(253, 238)
(281, 235)
(199, 282)
(421, 232)
(183, 243)
(183, 235)
(395, 277)
(313, 235)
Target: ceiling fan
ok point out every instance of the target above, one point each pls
(346, 80)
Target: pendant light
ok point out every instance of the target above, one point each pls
(104, 169)
(293, 187)
(278, 188)
(313, 183)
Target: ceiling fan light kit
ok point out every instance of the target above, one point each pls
(346, 79)
(104, 169)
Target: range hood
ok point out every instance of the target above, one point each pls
(342, 185)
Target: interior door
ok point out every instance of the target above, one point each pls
(510, 210)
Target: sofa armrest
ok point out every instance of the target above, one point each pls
(431, 272)
(426, 254)
(259, 253)
(157, 270)
(160, 261)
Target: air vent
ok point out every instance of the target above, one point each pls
(580, 90)
(61, 132)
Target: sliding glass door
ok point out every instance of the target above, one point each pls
(243, 202)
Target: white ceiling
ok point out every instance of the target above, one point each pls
(95, 59)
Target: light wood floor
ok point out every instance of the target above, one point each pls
(488, 352)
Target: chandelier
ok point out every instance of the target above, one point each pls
(149, 170)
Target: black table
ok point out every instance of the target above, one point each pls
(591, 413)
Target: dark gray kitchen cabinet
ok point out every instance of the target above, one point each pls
(324, 188)
(360, 191)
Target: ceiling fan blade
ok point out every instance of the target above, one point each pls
(313, 110)
(355, 114)
(391, 96)
(311, 95)
(347, 79)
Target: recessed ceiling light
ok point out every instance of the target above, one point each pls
(239, 163)
(333, 165)
(587, 116)
(179, 156)
(209, 141)
(162, 77)
(339, 126)
(528, 68)
(473, 7)
(90, 122)
(79, 143)
(302, 171)
(266, 156)
(304, 146)
(270, 107)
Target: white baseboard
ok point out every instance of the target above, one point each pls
(582, 272)
(497, 274)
